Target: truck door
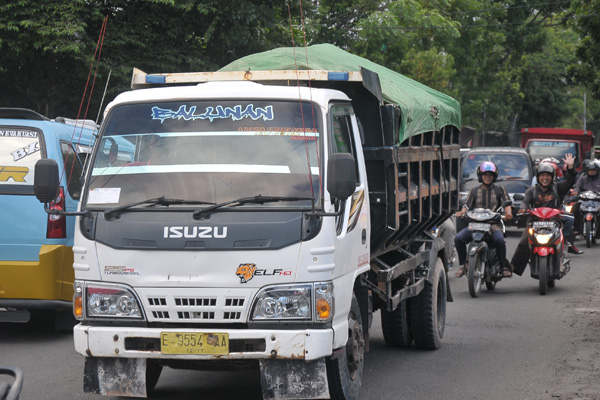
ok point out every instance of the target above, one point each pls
(353, 225)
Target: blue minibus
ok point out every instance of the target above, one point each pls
(36, 256)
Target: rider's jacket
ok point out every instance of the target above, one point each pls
(488, 197)
(586, 183)
(536, 196)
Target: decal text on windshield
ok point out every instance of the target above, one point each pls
(219, 112)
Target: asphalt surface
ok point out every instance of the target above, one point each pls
(510, 343)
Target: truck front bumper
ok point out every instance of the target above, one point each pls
(244, 344)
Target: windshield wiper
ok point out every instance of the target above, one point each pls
(260, 199)
(163, 201)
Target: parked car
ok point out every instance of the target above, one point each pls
(515, 172)
(36, 257)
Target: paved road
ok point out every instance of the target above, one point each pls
(511, 343)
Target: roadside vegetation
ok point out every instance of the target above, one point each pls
(511, 64)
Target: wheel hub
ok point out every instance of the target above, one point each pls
(354, 347)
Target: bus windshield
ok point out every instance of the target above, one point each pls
(209, 151)
(540, 149)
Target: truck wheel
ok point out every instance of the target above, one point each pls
(396, 326)
(344, 373)
(428, 311)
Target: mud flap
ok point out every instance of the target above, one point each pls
(293, 379)
(115, 376)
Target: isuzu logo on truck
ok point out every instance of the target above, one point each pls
(189, 232)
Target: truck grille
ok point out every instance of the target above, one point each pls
(175, 305)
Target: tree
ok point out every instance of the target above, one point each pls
(47, 47)
(43, 53)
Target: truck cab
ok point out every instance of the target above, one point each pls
(556, 142)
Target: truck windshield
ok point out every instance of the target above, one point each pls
(540, 149)
(211, 151)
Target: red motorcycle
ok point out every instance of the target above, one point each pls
(547, 262)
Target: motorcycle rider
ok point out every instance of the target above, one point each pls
(587, 181)
(590, 180)
(546, 193)
(488, 196)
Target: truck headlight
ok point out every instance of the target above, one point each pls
(283, 302)
(106, 300)
(299, 302)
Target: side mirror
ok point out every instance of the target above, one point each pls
(341, 175)
(519, 196)
(46, 181)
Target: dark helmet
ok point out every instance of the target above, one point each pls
(487, 166)
(589, 165)
(546, 167)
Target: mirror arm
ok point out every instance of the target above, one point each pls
(85, 213)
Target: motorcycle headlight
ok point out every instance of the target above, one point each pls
(294, 303)
(479, 215)
(568, 207)
(542, 238)
(100, 300)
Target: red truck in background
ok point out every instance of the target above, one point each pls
(556, 142)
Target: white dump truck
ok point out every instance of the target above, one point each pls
(261, 216)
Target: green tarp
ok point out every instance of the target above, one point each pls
(415, 99)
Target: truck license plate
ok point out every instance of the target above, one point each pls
(478, 226)
(194, 343)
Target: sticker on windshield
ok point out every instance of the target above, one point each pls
(14, 174)
(18, 133)
(290, 132)
(235, 113)
(104, 196)
(23, 152)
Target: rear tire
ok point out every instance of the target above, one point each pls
(344, 373)
(490, 285)
(428, 310)
(396, 326)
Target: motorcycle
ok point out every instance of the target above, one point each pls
(590, 208)
(484, 265)
(10, 391)
(546, 242)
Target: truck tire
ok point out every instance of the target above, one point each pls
(396, 326)
(428, 311)
(344, 373)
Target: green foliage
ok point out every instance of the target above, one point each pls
(510, 63)
(47, 47)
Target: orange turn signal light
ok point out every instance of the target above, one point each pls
(323, 309)
(78, 307)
